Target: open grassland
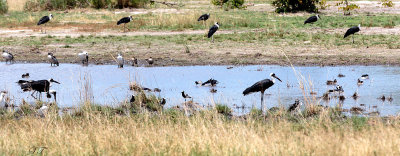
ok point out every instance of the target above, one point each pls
(104, 132)
(173, 36)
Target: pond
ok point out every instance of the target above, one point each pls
(110, 85)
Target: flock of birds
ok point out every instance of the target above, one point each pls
(260, 86)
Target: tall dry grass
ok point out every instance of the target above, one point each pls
(206, 134)
(16, 5)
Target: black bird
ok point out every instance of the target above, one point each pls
(185, 96)
(294, 106)
(204, 17)
(359, 82)
(352, 31)
(124, 21)
(198, 82)
(338, 89)
(365, 76)
(312, 19)
(8, 56)
(52, 59)
(54, 95)
(163, 102)
(261, 86)
(44, 20)
(150, 61)
(25, 76)
(37, 86)
(212, 82)
(212, 90)
(134, 61)
(132, 100)
(212, 30)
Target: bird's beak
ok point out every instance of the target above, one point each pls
(56, 82)
(278, 78)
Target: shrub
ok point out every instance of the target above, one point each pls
(346, 7)
(231, 4)
(295, 5)
(3, 6)
(387, 3)
(131, 3)
(38, 5)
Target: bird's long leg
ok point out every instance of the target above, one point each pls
(212, 38)
(352, 36)
(124, 27)
(262, 102)
(32, 94)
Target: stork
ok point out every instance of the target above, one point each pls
(312, 19)
(204, 18)
(124, 21)
(44, 20)
(352, 31)
(37, 86)
(185, 96)
(120, 61)
(8, 56)
(52, 59)
(212, 30)
(84, 57)
(261, 86)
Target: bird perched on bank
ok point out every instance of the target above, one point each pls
(52, 59)
(352, 31)
(212, 82)
(25, 76)
(261, 86)
(294, 106)
(163, 102)
(37, 86)
(44, 20)
(8, 56)
(212, 31)
(185, 96)
(132, 100)
(84, 57)
(150, 61)
(312, 19)
(124, 21)
(134, 61)
(120, 61)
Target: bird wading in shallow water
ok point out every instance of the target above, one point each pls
(261, 86)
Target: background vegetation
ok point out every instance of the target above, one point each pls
(3, 6)
(39, 5)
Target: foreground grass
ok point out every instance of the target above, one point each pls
(204, 133)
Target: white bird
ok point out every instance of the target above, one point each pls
(42, 112)
(52, 59)
(84, 57)
(7, 56)
(3, 95)
(120, 61)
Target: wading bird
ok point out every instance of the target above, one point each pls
(120, 61)
(312, 19)
(134, 61)
(330, 82)
(25, 76)
(44, 20)
(212, 82)
(37, 86)
(365, 76)
(261, 86)
(294, 106)
(359, 82)
(54, 93)
(124, 21)
(352, 31)
(212, 30)
(8, 56)
(84, 57)
(52, 59)
(185, 96)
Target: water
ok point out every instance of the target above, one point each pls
(111, 85)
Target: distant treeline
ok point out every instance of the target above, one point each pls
(39, 5)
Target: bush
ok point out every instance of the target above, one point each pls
(3, 6)
(231, 4)
(295, 5)
(131, 3)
